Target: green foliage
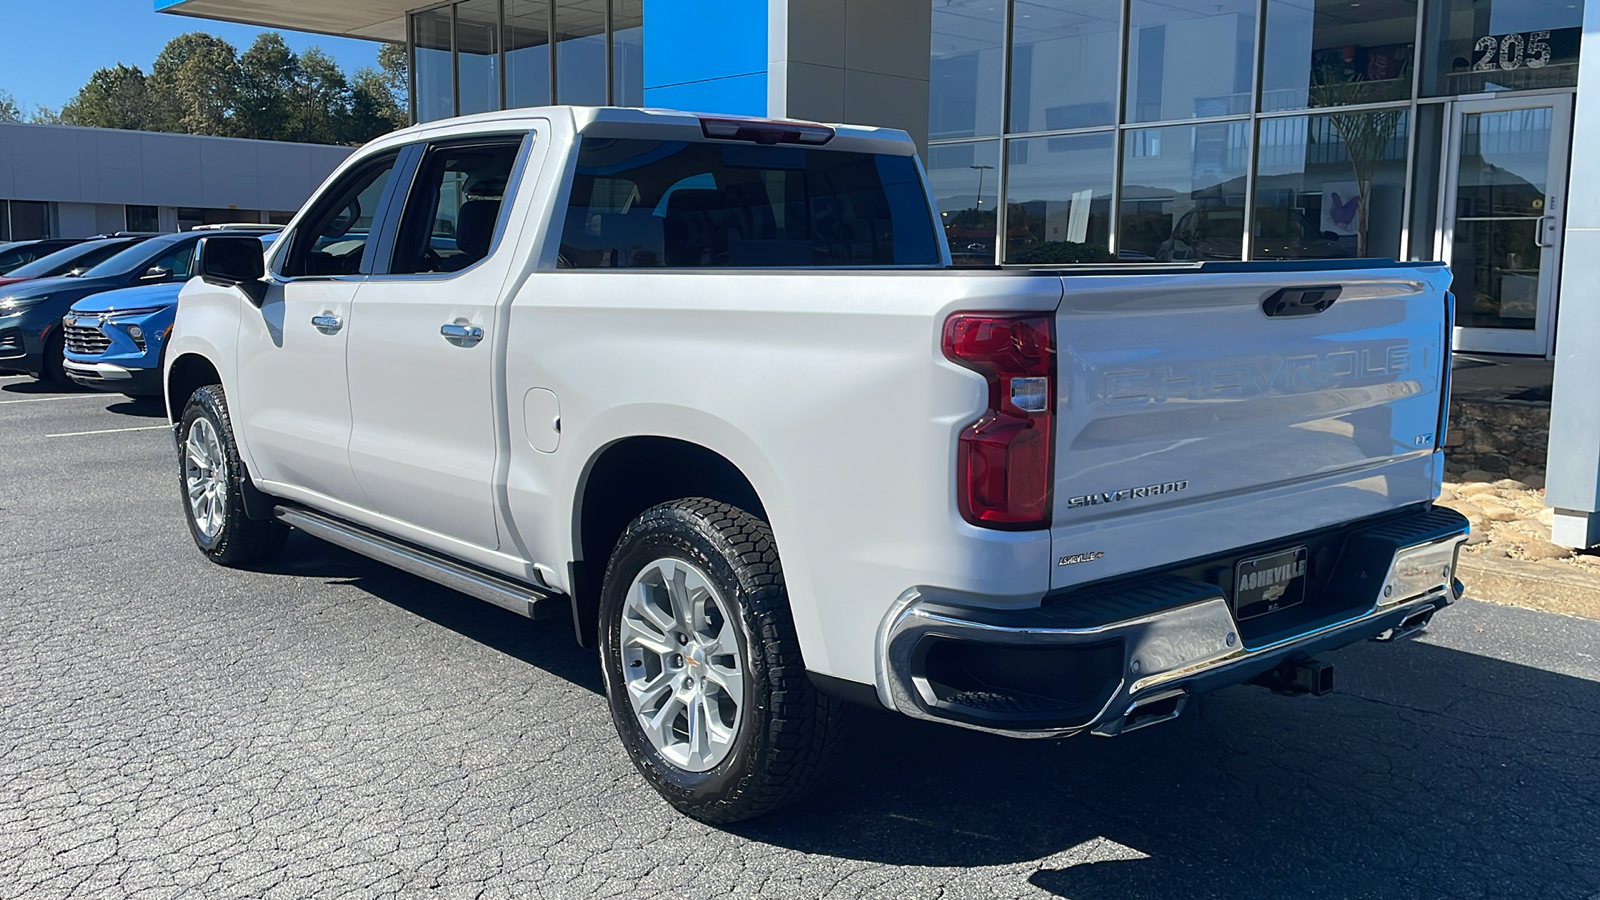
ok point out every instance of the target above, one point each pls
(200, 84)
(8, 108)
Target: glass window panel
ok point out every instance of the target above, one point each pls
(966, 184)
(1501, 183)
(478, 55)
(964, 71)
(581, 52)
(30, 220)
(1337, 53)
(452, 212)
(527, 39)
(1189, 58)
(142, 218)
(1475, 46)
(643, 203)
(430, 63)
(1330, 187)
(1058, 199)
(1064, 64)
(1183, 192)
(627, 52)
(1425, 181)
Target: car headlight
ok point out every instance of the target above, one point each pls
(18, 304)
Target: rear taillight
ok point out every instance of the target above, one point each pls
(1003, 460)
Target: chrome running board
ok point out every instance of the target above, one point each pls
(522, 599)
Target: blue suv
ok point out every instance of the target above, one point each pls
(114, 339)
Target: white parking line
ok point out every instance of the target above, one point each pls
(46, 399)
(108, 431)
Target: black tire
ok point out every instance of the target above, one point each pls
(53, 368)
(240, 540)
(788, 731)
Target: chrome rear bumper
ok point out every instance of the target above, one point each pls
(1108, 660)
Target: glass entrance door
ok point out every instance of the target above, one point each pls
(1504, 202)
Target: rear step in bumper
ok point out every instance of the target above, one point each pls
(1056, 680)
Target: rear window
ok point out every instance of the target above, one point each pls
(640, 203)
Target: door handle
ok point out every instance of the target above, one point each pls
(327, 324)
(461, 335)
(1548, 232)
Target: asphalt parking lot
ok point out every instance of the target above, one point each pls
(328, 727)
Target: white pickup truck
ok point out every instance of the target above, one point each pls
(710, 388)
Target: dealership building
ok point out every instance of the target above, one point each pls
(1064, 131)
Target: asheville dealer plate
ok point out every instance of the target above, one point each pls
(1266, 584)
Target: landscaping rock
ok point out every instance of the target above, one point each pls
(1474, 488)
(1496, 513)
(1479, 475)
(1538, 549)
(1511, 484)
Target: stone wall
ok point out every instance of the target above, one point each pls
(1505, 438)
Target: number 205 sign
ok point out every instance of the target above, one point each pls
(1512, 51)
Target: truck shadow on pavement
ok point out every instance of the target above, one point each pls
(1429, 773)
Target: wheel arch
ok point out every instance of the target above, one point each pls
(623, 479)
(184, 374)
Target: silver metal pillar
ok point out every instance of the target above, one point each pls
(1572, 484)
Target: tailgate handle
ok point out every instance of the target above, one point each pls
(1300, 301)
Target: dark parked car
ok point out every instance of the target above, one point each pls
(31, 335)
(20, 253)
(76, 259)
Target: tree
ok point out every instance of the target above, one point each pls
(117, 97)
(268, 72)
(8, 108)
(319, 104)
(195, 82)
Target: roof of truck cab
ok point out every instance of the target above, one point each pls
(586, 118)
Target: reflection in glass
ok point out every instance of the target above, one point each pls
(1189, 59)
(965, 182)
(478, 55)
(1337, 53)
(1064, 64)
(527, 41)
(1501, 45)
(430, 61)
(1330, 187)
(1425, 172)
(581, 52)
(1499, 205)
(1058, 199)
(627, 52)
(964, 71)
(1183, 192)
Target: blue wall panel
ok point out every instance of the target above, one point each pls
(706, 55)
(739, 95)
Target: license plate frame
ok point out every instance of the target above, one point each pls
(1269, 583)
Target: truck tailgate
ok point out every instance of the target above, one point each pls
(1191, 421)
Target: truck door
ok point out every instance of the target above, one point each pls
(294, 404)
(424, 438)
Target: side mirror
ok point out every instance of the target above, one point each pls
(156, 274)
(78, 272)
(234, 261)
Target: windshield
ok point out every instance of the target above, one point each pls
(134, 258)
(63, 261)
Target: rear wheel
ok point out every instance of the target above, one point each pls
(212, 478)
(702, 667)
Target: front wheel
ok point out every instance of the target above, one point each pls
(702, 667)
(212, 478)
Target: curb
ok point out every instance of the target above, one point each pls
(1513, 582)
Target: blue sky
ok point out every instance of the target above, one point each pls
(48, 48)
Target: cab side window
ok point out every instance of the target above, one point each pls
(453, 212)
(177, 265)
(332, 238)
